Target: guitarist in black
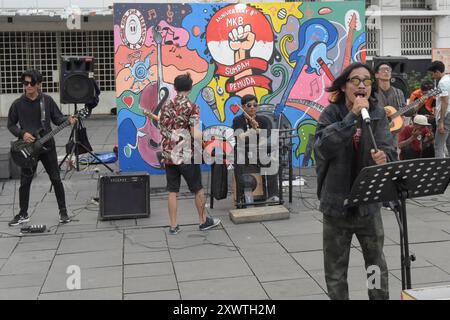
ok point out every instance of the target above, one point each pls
(27, 115)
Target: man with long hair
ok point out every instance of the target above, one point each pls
(342, 148)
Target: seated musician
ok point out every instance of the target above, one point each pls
(416, 140)
(248, 128)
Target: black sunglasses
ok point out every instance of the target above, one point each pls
(251, 105)
(26, 83)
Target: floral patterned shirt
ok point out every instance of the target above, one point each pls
(176, 119)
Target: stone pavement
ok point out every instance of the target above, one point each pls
(138, 259)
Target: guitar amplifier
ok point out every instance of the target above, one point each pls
(124, 196)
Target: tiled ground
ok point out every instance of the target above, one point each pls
(138, 259)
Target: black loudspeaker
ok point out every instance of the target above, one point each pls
(77, 79)
(281, 122)
(124, 196)
(399, 82)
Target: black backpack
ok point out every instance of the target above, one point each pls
(219, 187)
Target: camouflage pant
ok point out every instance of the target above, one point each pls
(337, 238)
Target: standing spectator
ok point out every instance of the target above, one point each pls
(343, 147)
(442, 112)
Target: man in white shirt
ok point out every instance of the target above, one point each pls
(442, 112)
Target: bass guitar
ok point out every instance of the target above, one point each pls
(26, 155)
(395, 116)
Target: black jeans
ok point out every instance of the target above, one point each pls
(50, 162)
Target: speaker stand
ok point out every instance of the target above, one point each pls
(76, 145)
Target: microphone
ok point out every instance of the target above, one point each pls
(365, 115)
(364, 112)
(210, 98)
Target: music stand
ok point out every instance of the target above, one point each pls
(398, 181)
(77, 145)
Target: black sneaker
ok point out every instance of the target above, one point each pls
(209, 223)
(63, 217)
(18, 219)
(175, 230)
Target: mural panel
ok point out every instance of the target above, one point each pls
(284, 53)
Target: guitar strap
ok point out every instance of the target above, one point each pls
(42, 103)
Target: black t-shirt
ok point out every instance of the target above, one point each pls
(25, 116)
(240, 122)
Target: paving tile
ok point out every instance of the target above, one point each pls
(94, 234)
(275, 267)
(204, 251)
(148, 270)
(419, 235)
(305, 242)
(249, 234)
(93, 259)
(7, 245)
(273, 248)
(31, 256)
(92, 278)
(133, 246)
(26, 293)
(211, 269)
(239, 288)
(88, 244)
(288, 228)
(190, 236)
(14, 268)
(313, 260)
(292, 289)
(146, 257)
(424, 275)
(144, 235)
(22, 280)
(158, 295)
(148, 284)
(314, 297)
(114, 293)
(37, 246)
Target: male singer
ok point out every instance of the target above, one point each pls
(343, 147)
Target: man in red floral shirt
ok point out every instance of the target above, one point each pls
(181, 137)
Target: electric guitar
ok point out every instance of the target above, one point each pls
(26, 155)
(394, 116)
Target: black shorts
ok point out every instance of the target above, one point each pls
(191, 174)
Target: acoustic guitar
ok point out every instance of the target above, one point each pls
(26, 155)
(395, 116)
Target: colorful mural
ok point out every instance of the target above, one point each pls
(284, 53)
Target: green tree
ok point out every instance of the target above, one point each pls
(415, 79)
